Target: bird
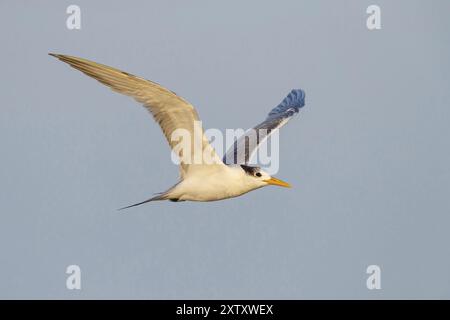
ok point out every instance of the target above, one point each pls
(229, 177)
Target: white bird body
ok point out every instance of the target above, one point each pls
(215, 182)
(205, 181)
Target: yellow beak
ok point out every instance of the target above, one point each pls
(277, 182)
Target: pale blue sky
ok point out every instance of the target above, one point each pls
(368, 156)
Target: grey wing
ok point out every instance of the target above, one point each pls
(244, 148)
(168, 109)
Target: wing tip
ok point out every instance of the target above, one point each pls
(63, 57)
(297, 97)
(56, 55)
(60, 57)
(293, 102)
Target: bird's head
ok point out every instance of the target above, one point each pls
(261, 178)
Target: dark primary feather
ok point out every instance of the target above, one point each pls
(289, 106)
(247, 144)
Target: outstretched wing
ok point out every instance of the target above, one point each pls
(169, 110)
(244, 148)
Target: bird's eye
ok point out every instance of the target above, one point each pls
(258, 174)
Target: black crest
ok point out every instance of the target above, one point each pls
(250, 170)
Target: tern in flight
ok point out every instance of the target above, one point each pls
(221, 179)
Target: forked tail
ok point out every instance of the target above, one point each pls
(159, 196)
(162, 196)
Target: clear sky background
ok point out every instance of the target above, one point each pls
(368, 156)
